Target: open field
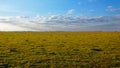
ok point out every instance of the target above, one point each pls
(60, 49)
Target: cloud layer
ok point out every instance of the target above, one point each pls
(60, 23)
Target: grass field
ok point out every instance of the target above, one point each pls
(60, 49)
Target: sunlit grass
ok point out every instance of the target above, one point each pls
(60, 49)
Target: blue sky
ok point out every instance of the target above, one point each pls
(59, 7)
(59, 15)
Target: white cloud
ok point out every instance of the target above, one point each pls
(10, 27)
(112, 9)
(71, 11)
(59, 23)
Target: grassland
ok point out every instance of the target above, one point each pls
(60, 49)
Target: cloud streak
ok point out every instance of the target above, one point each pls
(112, 9)
(60, 23)
(71, 11)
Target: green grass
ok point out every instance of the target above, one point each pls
(60, 49)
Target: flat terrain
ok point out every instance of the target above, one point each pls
(60, 49)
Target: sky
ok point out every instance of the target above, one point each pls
(59, 15)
